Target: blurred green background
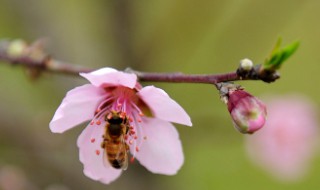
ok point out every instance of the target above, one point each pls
(162, 36)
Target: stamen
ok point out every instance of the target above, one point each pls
(138, 131)
(93, 140)
(145, 137)
(135, 137)
(98, 122)
(132, 159)
(97, 152)
(102, 105)
(123, 114)
(137, 108)
(92, 122)
(141, 114)
(118, 104)
(124, 107)
(100, 114)
(109, 116)
(137, 149)
(131, 142)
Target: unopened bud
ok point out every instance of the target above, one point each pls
(16, 48)
(247, 112)
(246, 64)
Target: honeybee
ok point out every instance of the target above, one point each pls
(114, 145)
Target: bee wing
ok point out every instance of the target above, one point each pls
(105, 159)
(124, 148)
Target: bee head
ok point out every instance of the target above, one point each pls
(114, 118)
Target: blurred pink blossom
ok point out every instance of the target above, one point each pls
(14, 178)
(287, 143)
(151, 138)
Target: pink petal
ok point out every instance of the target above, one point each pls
(78, 106)
(92, 155)
(162, 106)
(112, 77)
(161, 152)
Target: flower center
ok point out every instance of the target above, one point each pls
(128, 106)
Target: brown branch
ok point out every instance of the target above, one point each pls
(33, 57)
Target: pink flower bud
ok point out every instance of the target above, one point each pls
(247, 112)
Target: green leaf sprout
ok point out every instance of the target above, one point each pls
(279, 55)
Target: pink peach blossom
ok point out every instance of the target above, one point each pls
(152, 139)
(285, 146)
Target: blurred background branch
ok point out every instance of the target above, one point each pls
(34, 58)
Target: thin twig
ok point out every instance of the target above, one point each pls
(33, 57)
